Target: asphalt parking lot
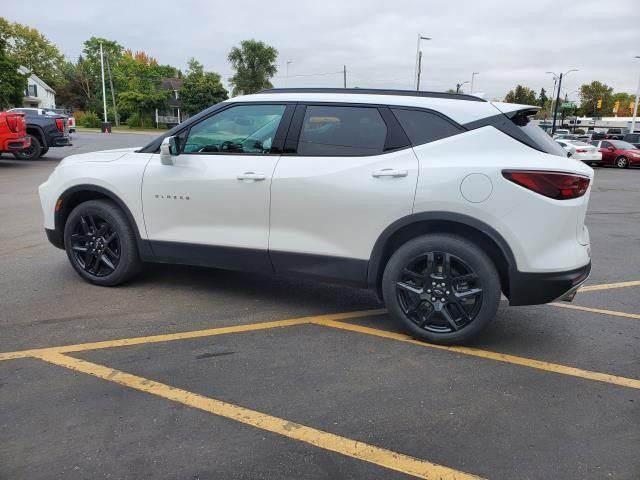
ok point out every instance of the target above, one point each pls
(189, 373)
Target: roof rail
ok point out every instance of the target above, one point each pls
(378, 91)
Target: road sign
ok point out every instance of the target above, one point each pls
(569, 105)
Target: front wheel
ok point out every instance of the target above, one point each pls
(101, 243)
(441, 288)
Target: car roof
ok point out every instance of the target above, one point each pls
(460, 108)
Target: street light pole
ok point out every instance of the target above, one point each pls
(104, 93)
(635, 106)
(288, 63)
(473, 75)
(416, 76)
(459, 85)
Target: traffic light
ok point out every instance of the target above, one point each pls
(616, 106)
(599, 104)
(632, 105)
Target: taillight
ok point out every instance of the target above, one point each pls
(12, 122)
(560, 186)
(581, 150)
(60, 124)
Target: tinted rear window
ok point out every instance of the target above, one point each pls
(542, 139)
(424, 127)
(342, 131)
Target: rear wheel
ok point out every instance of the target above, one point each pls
(622, 162)
(441, 288)
(101, 243)
(33, 152)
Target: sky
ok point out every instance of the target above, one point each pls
(506, 42)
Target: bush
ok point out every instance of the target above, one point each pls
(140, 121)
(579, 131)
(87, 120)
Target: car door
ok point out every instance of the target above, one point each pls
(211, 207)
(343, 178)
(607, 150)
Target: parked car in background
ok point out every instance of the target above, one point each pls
(633, 139)
(13, 132)
(582, 151)
(598, 136)
(616, 133)
(438, 202)
(617, 152)
(562, 131)
(45, 131)
(71, 121)
(565, 136)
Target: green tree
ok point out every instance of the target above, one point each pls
(522, 95)
(255, 64)
(31, 49)
(542, 98)
(590, 93)
(138, 77)
(200, 89)
(624, 100)
(71, 93)
(12, 83)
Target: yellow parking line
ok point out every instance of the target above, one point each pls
(500, 357)
(596, 310)
(608, 286)
(318, 438)
(186, 335)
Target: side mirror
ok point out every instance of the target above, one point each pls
(168, 150)
(611, 149)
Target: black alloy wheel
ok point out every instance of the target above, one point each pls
(95, 245)
(101, 243)
(441, 288)
(439, 292)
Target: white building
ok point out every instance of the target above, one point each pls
(38, 94)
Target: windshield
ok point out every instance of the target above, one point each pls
(542, 139)
(620, 145)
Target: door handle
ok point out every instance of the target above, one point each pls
(389, 172)
(251, 176)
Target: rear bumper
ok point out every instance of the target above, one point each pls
(13, 144)
(538, 288)
(55, 238)
(61, 141)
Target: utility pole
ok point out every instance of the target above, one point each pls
(555, 109)
(113, 95)
(104, 93)
(635, 106)
(288, 63)
(344, 76)
(419, 71)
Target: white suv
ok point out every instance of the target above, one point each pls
(437, 202)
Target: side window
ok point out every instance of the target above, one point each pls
(606, 145)
(342, 131)
(595, 143)
(424, 127)
(241, 129)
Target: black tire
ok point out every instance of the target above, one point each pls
(44, 151)
(415, 283)
(33, 152)
(101, 243)
(622, 162)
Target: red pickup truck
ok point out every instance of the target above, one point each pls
(13, 132)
